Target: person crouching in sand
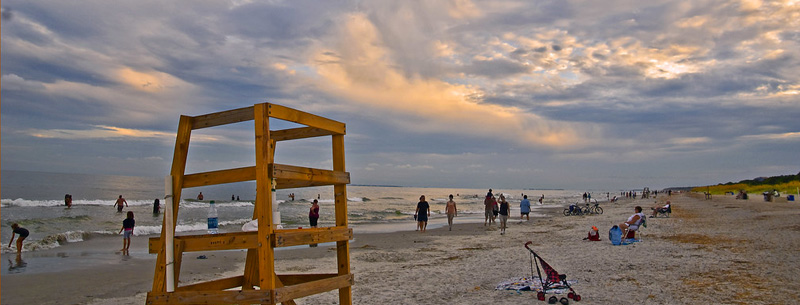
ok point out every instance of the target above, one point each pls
(127, 226)
(23, 233)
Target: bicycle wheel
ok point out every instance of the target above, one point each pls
(599, 210)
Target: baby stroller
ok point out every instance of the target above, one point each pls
(552, 278)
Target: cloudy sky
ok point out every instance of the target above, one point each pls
(458, 93)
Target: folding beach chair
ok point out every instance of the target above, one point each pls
(552, 278)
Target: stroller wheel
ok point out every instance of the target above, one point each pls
(540, 296)
(577, 298)
(552, 300)
(571, 295)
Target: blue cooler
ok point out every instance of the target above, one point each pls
(790, 197)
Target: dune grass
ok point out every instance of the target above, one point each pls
(784, 188)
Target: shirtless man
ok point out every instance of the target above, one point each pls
(451, 211)
(119, 203)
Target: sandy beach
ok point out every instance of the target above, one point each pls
(719, 251)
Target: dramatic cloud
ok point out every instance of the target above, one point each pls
(568, 94)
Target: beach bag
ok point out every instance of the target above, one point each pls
(615, 235)
(594, 235)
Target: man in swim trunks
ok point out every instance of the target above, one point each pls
(119, 203)
(23, 233)
(452, 211)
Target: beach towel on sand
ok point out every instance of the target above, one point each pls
(531, 284)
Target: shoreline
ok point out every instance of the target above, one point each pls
(83, 264)
(711, 251)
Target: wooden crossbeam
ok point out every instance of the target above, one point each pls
(311, 175)
(294, 279)
(288, 176)
(211, 297)
(288, 238)
(297, 291)
(223, 118)
(299, 133)
(219, 284)
(305, 118)
(249, 240)
(213, 242)
(220, 177)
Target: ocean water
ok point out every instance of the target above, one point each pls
(35, 201)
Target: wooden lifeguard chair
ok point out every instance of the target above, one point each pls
(259, 284)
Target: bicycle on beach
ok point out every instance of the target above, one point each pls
(594, 209)
(575, 210)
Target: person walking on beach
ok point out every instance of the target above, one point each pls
(525, 208)
(488, 209)
(313, 217)
(495, 209)
(422, 213)
(541, 199)
(313, 213)
(127, 226)
(451, 211)
(23, 233)
(504, 211)
(119, 203)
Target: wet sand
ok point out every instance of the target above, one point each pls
(719, 251)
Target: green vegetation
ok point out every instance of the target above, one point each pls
(786, 184)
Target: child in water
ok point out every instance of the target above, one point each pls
(127, 226)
